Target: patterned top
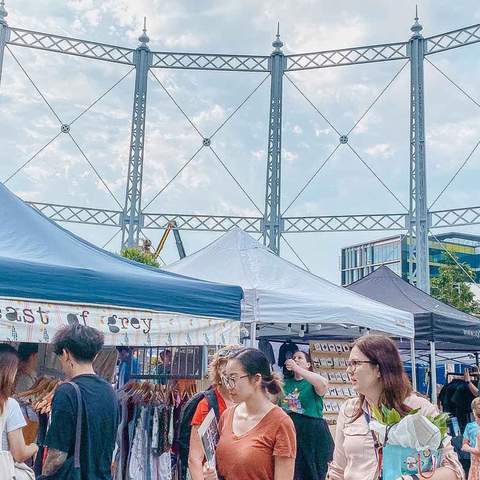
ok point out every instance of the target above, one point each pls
(301, 397)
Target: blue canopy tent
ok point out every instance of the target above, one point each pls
(49, 277)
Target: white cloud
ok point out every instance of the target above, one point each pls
(288, 156)
(380, 150)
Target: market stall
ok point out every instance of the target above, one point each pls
(49, 278)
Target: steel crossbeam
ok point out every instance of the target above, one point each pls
(197, 61)
(223, 223)
(205, 223)
(344, 223)
(71, 214)
(454, 39)
(70, 46)
(456, 217)
(347, 56)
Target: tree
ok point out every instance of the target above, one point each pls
(138, 255)
(451, 286)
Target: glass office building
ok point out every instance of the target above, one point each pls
(357, 261)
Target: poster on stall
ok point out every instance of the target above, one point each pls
(208, 432)
(36, 321)
(329, 359)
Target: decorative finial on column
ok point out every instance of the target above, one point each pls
(277, 43)
(416, 27)
(143, 38)
(3, 12)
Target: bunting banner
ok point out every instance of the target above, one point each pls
(23, 320)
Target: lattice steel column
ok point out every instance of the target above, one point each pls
(4, 34)
(418, 215)
(132, 215)
(272, 227)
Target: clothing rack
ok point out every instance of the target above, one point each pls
(147, 443)
(40, 396)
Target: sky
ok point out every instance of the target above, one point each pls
(60, 173)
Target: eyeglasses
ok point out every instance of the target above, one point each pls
(353, 364)
(231, 382)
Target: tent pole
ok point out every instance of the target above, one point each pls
(413, 361)
(433, 373)
(253, 334)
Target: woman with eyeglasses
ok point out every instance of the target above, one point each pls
(303, 401)
(376, 372)
(257, 438)
(216, 370)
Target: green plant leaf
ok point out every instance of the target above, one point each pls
(377, 415)
(385, 412)
(393, 417)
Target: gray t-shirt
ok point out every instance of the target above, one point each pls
(14, 420)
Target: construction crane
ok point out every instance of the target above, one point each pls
(172, 225)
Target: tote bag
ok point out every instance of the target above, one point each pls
(70, 470)
(398, 461)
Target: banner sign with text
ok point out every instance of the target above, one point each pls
(32, 321)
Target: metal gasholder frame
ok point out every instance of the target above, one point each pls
(132, 219)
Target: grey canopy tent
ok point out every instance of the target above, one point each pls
(435, 321)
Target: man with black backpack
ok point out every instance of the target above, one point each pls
(191, 456)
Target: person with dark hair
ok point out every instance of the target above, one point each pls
(76, 347)
(11, 417)
(257, 438)
(27, 368)
(303, 401)
(376, 372)
(128, 365)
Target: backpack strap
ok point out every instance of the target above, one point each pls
(78, 430)
(212, 401)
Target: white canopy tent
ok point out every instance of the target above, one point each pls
(281, 297)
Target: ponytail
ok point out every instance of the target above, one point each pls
(273, 384)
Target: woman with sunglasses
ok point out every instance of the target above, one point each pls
(216, 370)
(257, 438)
(376, 372)
(303, 401)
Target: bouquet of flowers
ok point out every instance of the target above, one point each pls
(410, 445)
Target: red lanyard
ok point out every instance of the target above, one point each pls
(377, 447)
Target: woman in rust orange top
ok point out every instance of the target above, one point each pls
(216, 370)
(257, 438)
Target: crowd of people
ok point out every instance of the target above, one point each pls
(270, 428)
